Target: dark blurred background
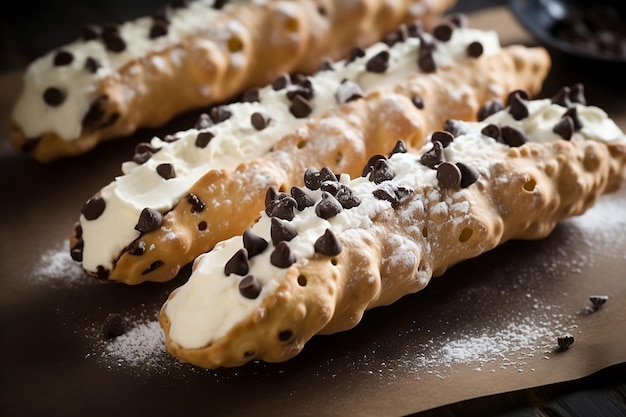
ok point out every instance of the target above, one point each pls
(29, 29)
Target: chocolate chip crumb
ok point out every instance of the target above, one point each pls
(237, 264)
(378, 63)
(282, 257)
(250, 287)
(53, 96)
(93, 208)
(448, 175)
(489, 108)
(114, 325)
(197, 205)
(513, 136)
(259, 120)
(63, 58)
(166, 171)
(203, 139)
(149, 220)
(282, 230)
(565, 342)
(328, 244)
(253, 243)
(328, 207)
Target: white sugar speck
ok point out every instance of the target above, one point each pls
(56, 265)
(142, 345)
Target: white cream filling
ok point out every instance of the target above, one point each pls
(237, 141)
(210, 304)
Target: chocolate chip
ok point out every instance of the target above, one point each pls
(251, 95)
(399, 147)
(253, 243)
(456, 127)
(303, 200)
(143, 152)
(414, 29)
(355, 53)
(91, 31)
(517, 108)
(95, 114)
(53, 96)
(521, 95)
(370, 164)
(204, 121)
(102, 273)
(426, 61)
(326, 65)
(562, 97)
(260, 120)
(513, 136)
(598, 301)
(281, 82)
(93, 208)
(489, 108)
(565, 342)
(491, 130)
(448, 175)
(427, 43)
(381, 171)
(219, 4)
(577, 94)
(445, 138)
(158, 29)
(203, 139)
(378, 63)
(475, 49)
(282, 257)
(328, 207)
(346, 197)
(136, 248)
(114, 325)
(328, 244)
(250, 287)
(386, 193)
(112, 39)
(76, 252)
(63, 58)
(564, 128)
(443, 32)
(285, 335)
(418, 102)
(238, 263)
(92, 64)
(282, 230)
(166, 171)
(348, 91)
(399, 35)
(314, 179)
(572, 113)
(434, 156)
(219, 114)
(153, 267)
(300, 107)
(149, 220)
(469, 174)
(330, 187)
(270, 195)
(283, 208)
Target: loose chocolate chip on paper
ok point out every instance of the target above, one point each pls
(260, 120)
(282, 257)
(166, 171)
(63, 58)
(114, 325)
(282, 230)
(491, 130)
(443, 32)
(565, 342)
(283, 208)
(443, 137)
(237, 264)
(346, 197)
(370, 164)
(475, 49)
(378, 63)
(53, 96)
(469, 174)
(136, 248)
(158, 29)
(448, 175)
(149, 220)
(250, 287)
(399, 147)
(348, 91)
(513, 136)
(253, 243)
(564, 128)
(93, 208)
(489, 108)
(328, 207)
(204, 121)
(300, 107)
(382, 171)
(203, 139)
(328, 244)
(303, 200)
(598, 301)
(517, 108)
(434, 156)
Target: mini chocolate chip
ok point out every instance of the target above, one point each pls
(370, 164)
(285, 335)
(445, 138)
(197, 205)
(385, 192)
(250, 287)
(564, 128)
(153, 267)
(562, 97)
(78, 231)
(114, 325)
(598, 301)
(251, 95)
(382, 171)
(326, 65)
(426, 61)
(328, 244)
(491, 130)
(149, 220)
(456, 127)
(378, 63)
(270, 195)
(399, 35)
(300, 107)
(399, 147)
(136, 248)
(348, 91)
(76, 252)
(158, 29)
(434, 156)
(521, 95)
(93, 208)
(565, 342)
(260, 120)
(283, 208)
(577, 94)
(489, 108)
(281, 82)
(53, 96)
(281, 256)
(330, 187)
(469, 174)
(143, 152)
(92, 64)
(414, 29)
(572, 113)
(303, 200)
(517, 108)
(513, 136)
(314, 179)
(328, 206)
(346, 197)
(113, 41)
(203, 139)
(282, 230)
(95, 114)
(475, 49)
(166, 171)
(448, 175)
(204, 121)
(238, 263)
(443, 32)
(355, 53)
(63, 58)
(91, 31)
(220, 113)
(102, 273)
(253, 243)
(418, 102)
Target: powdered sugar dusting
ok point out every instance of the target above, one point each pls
(56, 266)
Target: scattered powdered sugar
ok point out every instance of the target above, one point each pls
(56, 266)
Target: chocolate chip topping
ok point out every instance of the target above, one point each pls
(149, 220)
(300, 107)
(598, 301)
(303, 200)
(250, 287)
(204, 121)
(459, 20)
(392, 193)
(346, 197)
(114, 325)
(203, 139)
(382, 171)
(399, 147)
(426, 61)
(491, 130)
(314, 179)
(282, 230)
(443, 32)
(448, 175)
(378, 63)
(92, 64)
(522, 94)
(251, 95)
(136, 248)
(513, 136)
(355, 53)
(434, 156)
(102, 273)
(370, 164)
(283, 208)
(414, 29)
(565, 342)
(63, 58)
(237, 264)
(469, 174)
(91, 31)
(259, 120)
(399, 35)
(281, 82)
(475, 49)
(577, 94)
(418, 102)
(456, 127)
(271, 194)
(76, 252)
(348, 91)
(328, 244)
(572, 113)
(564, 128)
(92, 120)
(489, 108)
(93, 208)
(158, 29)
(53, 96)
(282, 257)
(112, 39)
(253, 243)
(330, 187)
(328, 207)
(445, 138)
(517, 107)
(143, 152)
(562, 97)
(219, 114)
(166, 171)
(326, 65)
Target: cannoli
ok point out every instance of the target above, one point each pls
(359, 243)
(117, 78)
(184, 193)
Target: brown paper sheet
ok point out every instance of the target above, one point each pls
(489, 325)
